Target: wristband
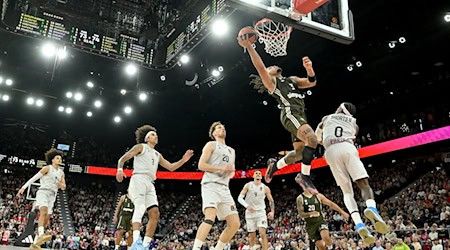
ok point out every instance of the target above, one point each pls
(312, 78)
(120, 170)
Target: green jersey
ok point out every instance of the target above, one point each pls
(288, 95)
(127, 207)
(312, 204)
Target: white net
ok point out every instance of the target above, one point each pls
(274, 35)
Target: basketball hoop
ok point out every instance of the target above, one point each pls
(274, 35)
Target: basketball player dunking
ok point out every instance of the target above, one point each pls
(141, 189)
(255, 193)
(338, 131)
(51, 178)
(286, 90)
(217, 161)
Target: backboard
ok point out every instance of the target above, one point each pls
(333, 20)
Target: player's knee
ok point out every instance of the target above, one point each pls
(262, 233)
(312, 141)
(208, 221)
(154, 213)
(43, 211)
(308, 155)
(139, 210)
(234, 225)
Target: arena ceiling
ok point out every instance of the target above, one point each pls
(391, 81)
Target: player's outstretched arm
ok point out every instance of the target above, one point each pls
(33, 179)
(271, 203)
(333, 205)
(62, 182)
(116, 212)
(258, 63)
(203, 165)
(174, 166)
(241, 198)
(135, 150)
(310, 81)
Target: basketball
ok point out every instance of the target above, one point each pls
(250, 32)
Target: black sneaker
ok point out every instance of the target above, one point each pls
(271, 169)
(305, 182)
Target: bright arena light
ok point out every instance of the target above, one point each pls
(69, 110)
(447, 18)
(97, 103)
(69, 94)
(358, 64)
(142, 96)
(162, 77)
(123, 91)
(220, 27)
(5, 98)
(391, 45)
(1, 80)
(89, 113)
(117, 119)
(60, 108)
(220, 68)
(127, 110)
(402, 39)
(131, 69)
(350, 68)
(90, 85)
(184, 59)
(62, 53)
(48, 49)
(215, 73)
(30, 100)
(78, 96)
(8, 82)
(39, 102)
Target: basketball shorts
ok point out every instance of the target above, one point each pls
(314, 229)
(124, 222)
(292, 119)
(345, 163)
(255, 220)
(45, 198)
(219, 197)
(141, 187)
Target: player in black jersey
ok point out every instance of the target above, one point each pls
(122, 218)
(288, 93)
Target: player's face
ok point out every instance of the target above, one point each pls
(257, 175)
(57, 160)
(152, 138)
(219, 131)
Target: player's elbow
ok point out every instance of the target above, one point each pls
(201, 166)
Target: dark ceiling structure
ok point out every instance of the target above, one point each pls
(391, 80)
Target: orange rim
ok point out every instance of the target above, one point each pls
(265, 20)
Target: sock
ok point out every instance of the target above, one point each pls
(116, 247)
(147, 241)
(220, 245)
(306, 169)
(371, 203)
(330, 247)
(40, 231)
(136, 235)
(281, 163)
(197, 244)
(356, 218)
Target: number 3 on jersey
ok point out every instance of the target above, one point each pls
(226, 158)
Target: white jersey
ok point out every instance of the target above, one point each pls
(221, 156)
(256, 196)
(147, 162)
(50, 180)
(338, 128)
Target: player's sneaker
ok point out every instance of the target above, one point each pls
(35, 247)
(42, 239)
(305, 182)
(366, 236)
(271, 169)
(372, 214)
(137, 245)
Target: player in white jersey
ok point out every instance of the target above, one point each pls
(217, 161)
(255, 193)
(51, 178)
(336, 132)
(141, 189)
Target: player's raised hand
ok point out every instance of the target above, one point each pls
(244, 42)
(229, 168)
(307, 63)
(120, 175)
(189, 153)
(346, 216)
(270, 215)
(20, 192)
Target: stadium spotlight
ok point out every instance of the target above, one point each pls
(220, 68)
(60, 108)
(219, 27)
(392, 44)
(184, 59)
(39, 102)
(78, 96)
(350, 68)
(162, 77)
(97, 103)
(117, 119)
(69, 110)
(89, 113)
(215, 73)
(358, 64)
(5, 98)
(127, 110)
(8, 82)
(69, 94)
(48, 49)
(131, 69)
(90, 84)
(123, 91)
(142, 96)
(30, 100)
(402, 39)
(447, 18)
(1, 80)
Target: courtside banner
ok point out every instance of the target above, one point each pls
(410, 141)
